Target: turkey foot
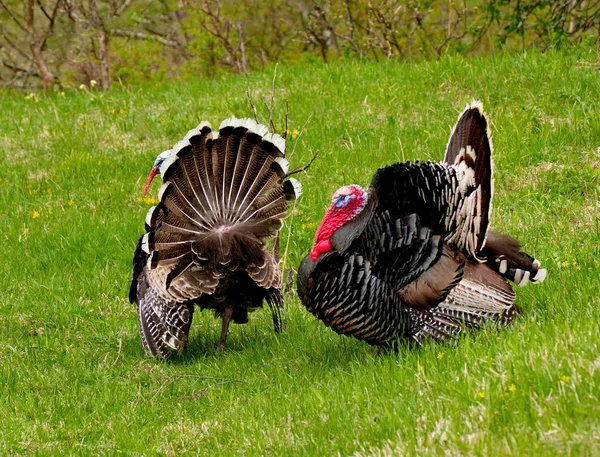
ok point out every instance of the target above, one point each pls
(226, 316)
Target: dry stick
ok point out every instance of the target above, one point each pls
(598, 44)
(287, 110)
(270, 108)
(252, 104)
(299, 135)
(118, 353)
(170, 379)
(271, 123)
(204, 390)
(13, 16)
(273, 96)
(159, 390)
(287, 243)
(305, 167)
(212, 378)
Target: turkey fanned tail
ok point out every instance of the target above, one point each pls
(224, 196)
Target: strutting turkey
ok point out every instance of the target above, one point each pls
(224, 195)
(412, 257)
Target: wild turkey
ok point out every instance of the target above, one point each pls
(224, 196)
(412, 257)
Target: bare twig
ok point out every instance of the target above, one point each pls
(70, 10)
(287, 244)
(118, 353)
(41, 6)
(270, 107)
(146, 36)
(598, 46)
(14, 67)
(270, 112)
(419, 22)
(203, 391)
(305, 167)
(14, 17)
(170, 379)
(249, 96)
(121, 9)
(15, 47)
(273, 84)
(102, 37)
(285, 128)
(299, 135)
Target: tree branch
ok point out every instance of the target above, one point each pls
(121, 9)
(14, 17)
(305, 167)
(14, 46)
(145, 36)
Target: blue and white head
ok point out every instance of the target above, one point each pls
(156, 167)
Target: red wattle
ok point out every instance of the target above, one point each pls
(319, 248)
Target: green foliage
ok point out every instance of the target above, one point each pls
(75, 378)
(140, 62)
(168, 39)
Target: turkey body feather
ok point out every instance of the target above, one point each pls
(413, 257)
(224, 196)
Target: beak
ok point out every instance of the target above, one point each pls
(150, 178)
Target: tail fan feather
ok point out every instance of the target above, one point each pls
(504, 255)
(482, 296)
(469, 152)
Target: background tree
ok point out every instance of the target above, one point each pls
(69, 42)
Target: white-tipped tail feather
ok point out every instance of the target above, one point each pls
(224, 194)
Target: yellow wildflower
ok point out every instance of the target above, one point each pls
(121, 111)
(295, 134)
(112, 111)
(480, 394)
(62, 94)
(440, 355)
(565, 378)
(35, 214)
(82, 87)
(93, 83)
(512, 387)
(71, 202)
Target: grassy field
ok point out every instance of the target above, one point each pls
(75, 379)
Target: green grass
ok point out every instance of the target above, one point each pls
(73, 373)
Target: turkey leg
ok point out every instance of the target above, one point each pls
(226, 316)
